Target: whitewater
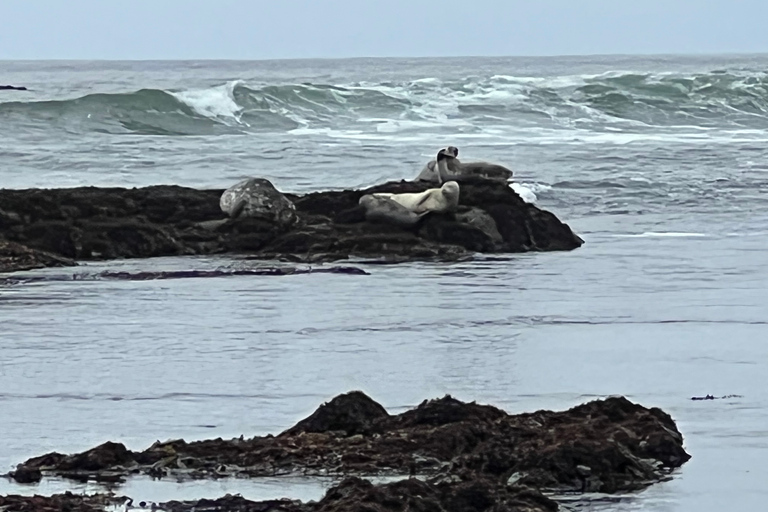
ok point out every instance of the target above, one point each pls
(660, 163)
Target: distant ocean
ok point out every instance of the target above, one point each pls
(659, 163)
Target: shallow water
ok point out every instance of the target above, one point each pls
(665, 301)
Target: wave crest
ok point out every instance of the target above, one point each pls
(617, 101)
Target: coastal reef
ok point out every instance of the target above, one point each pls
(91, 223)
(444, 449)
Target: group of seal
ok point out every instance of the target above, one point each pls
(455, 170)
(445, 170)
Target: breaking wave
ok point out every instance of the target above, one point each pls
(605, 103)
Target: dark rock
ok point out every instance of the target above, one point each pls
(481, 220)
(235, 504)
(25, 475)
(105, 456)
(603, 446)
(15, 257)
(352, 413)
(66, 502)
(358, 495)
(712, 397)
(12, 88)
(478, 495)
(447, 410)
(446, 230)
(94, 223)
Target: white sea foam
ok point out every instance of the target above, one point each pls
(527, 191)
(215, 102)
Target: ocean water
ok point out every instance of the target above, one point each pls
(659, 163)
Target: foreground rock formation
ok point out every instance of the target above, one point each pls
(104, 223)
(350, 495)
(466, 453)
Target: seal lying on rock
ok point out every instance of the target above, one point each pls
(439, 200)
(384, 210)
(257, 197)
(446, 166)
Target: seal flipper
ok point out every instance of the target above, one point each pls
(238, 208)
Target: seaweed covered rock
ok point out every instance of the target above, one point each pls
(603, 446)
(67, 501)
(477, 495)
(351, 413)
(90, 223)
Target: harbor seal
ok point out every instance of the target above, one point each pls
(383, 210)
(439, 200)
(447, 166)
(257, 197)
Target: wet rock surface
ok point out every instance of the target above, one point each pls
(66, 502)
(352, 494)
(15, 257)
(606, 445)
(91, 223)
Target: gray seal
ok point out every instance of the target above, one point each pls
(447, 167)
(257, 197)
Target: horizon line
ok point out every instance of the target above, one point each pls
(282, 59)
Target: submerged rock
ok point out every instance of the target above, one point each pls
(104, 223)
(606, 445)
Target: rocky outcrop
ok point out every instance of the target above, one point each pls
(350, 414)
(15, 257)
(105, 223)
(12, 88)
(606, 445)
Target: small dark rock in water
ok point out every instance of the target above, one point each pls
(184, 274)
(91, 223)
(12, 88)
(25, 475)
(712, 397)
(606, 445)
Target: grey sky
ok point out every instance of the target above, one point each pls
(271, 29)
